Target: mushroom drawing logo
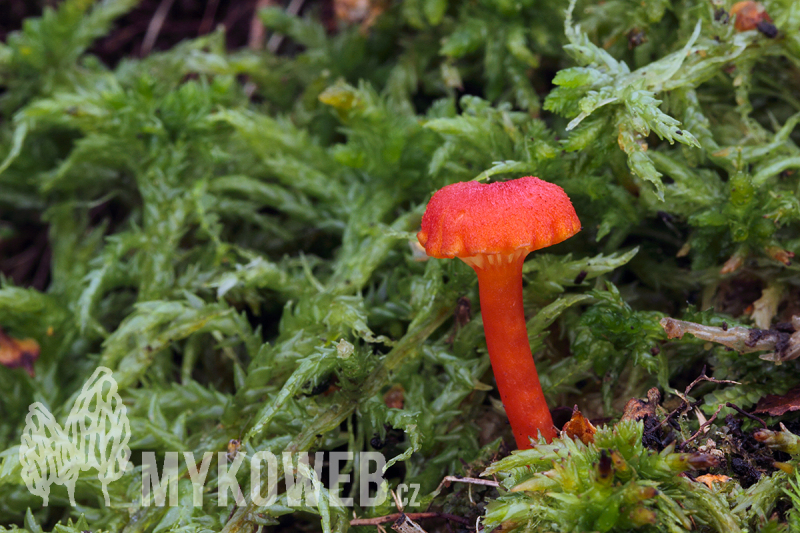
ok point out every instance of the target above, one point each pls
(95, 436)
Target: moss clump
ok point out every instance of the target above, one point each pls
(228, 232)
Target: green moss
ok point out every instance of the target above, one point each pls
(219, 251)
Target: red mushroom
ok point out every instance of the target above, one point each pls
(492, 228)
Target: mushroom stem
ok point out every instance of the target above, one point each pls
(500, 287)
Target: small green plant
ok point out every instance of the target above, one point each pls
(612, 484)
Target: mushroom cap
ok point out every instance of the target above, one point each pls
(469, 218)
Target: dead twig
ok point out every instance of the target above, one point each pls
(397, 503)
(744, 340)
(405, 525)
(703, 426)
(471, 480)
(683, 409)
(207, 22)
(255, 40)
(154, 28)
(414, 516)
(447, 480)
(704, 377)
(686, 405)
(275, 41)
(744, 413)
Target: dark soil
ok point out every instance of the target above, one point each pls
(185, 19)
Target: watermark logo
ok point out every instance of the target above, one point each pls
(97, 432)
(95, 437)
(303, 482)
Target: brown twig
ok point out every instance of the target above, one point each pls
(414, 516)
(748, 415)
(471, 480)
(255, 40)
(686, 405)
(703, 377)
(397, 503)
(154, 28)
(744, 340)
(406, 525)
(276, 39)
(703, 426)
(684, 408)
(206, 24)
(460, 479)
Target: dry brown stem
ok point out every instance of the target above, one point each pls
(414, 516)
(744, 340)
